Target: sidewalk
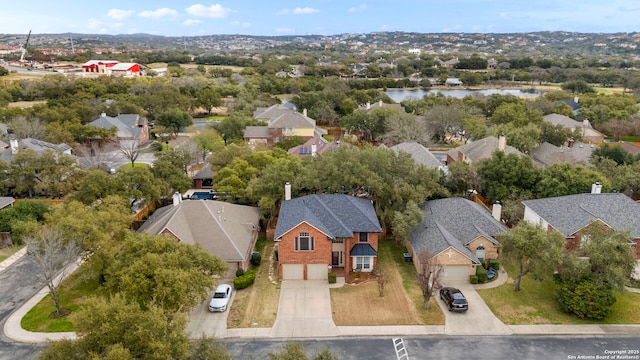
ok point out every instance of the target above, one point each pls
(14, 331)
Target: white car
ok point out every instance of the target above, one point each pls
(220, 298)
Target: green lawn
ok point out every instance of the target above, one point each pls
(128, 165)
(535, 303)
(73, 294)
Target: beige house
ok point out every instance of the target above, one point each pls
(226, 230)
(589, 134)
(477, 150)
(282, 121)
(459, 234)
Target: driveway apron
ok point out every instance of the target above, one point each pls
(478, 320)
(304, 310)
(204, 323)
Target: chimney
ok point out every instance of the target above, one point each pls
(596, 188)
(380, 103)
(575, 99)
(304, 112)
(585, 123)
(287, 191)
(502, 142)
(177, 198)
(15, 145)
(103, 115)
(368, 105)
(314, 149)
(496, 210)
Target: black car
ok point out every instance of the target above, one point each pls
(454, 299)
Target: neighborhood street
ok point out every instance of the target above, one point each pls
(16, 287)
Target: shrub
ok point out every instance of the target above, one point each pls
(494, 263)
(332, 278)
(239, 272)
(256, 258)
(275, 253)
(586, 299)
(156, 146)
(473, 279)
(481, 273)
(245, 280)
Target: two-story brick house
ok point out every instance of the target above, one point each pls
(316, 234)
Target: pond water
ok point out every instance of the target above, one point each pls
(401, 95)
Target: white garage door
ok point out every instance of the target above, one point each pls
(317, 271)
(293, 271)
(455, 273)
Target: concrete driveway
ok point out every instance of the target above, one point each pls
(304, 310)
(202, 322)
(479, 319)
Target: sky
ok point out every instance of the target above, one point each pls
(320, 17)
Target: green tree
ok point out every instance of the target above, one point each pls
(533, 249)
(504, 175)
(171, 166)
(208, 349)
(175, 120)
(96, 185)
(154, 270)
(522, 137)
(120, 329)
(207, 97)
(565, 179)
(139, 185)
(207, 141)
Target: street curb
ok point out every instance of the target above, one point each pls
(12, 259)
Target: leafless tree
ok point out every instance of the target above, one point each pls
(381, 282)
(98, 157)
(405, 128)
(51, 253)
(24, 127)
(130, 150)
(429, 275)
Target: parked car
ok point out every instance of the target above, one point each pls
(454, 299)
(220, 298)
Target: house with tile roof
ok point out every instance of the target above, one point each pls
(317, 234)
(570, 214)
(281, 122)
(588, 133)
(226, 230)
(129, 127)
(547, 154)
(474, 151)
(459, 233)
(420, 154)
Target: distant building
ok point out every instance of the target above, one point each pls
(111, 67)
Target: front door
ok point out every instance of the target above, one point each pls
(337, 258)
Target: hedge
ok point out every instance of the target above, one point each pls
(332, 278)
(245, 280)
(481, 273)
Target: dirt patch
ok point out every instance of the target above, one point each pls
(61, 314)
(257, 305)
(522, 315)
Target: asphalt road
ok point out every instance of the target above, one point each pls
(453, 347)
(16, 287)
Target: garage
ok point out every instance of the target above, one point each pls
(317, 271)
(293, 271)
(455, 273)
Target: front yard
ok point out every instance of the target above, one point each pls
(402, 301)
(535, 303)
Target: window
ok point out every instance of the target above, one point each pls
(480, 253)
(363, 237)
(304, 242)
(362, 263)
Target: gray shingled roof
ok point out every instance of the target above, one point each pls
(126, 124)
(419, 153)
(558, 119)
(273, 111)
(291, 120)
(568, 214)
(223, 229)
(547, 154)
(336, 215)
(256, 132)
(453, 222)
(6, 201)
(481, 149)
(36, 145)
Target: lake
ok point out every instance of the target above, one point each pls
(401, 95)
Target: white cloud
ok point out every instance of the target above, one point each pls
(215, 11)
(283, 11)
(119, 14)
(191, 22)
(157, 14)
(242, 24)
(358, 8)
(94, 23)
(285, 30)
(306, 10)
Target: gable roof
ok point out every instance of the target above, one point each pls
(419, 153)
(273, 111)
(126, 124)
(36, 145)
(568, 214)
(205, 172)
(6, 201)
(481, 149)
(223, 229)
(291, 119)
(453, 222)
(321, 144)
(631, 148)
(336, 215)
(251, 132)
(558, 119)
